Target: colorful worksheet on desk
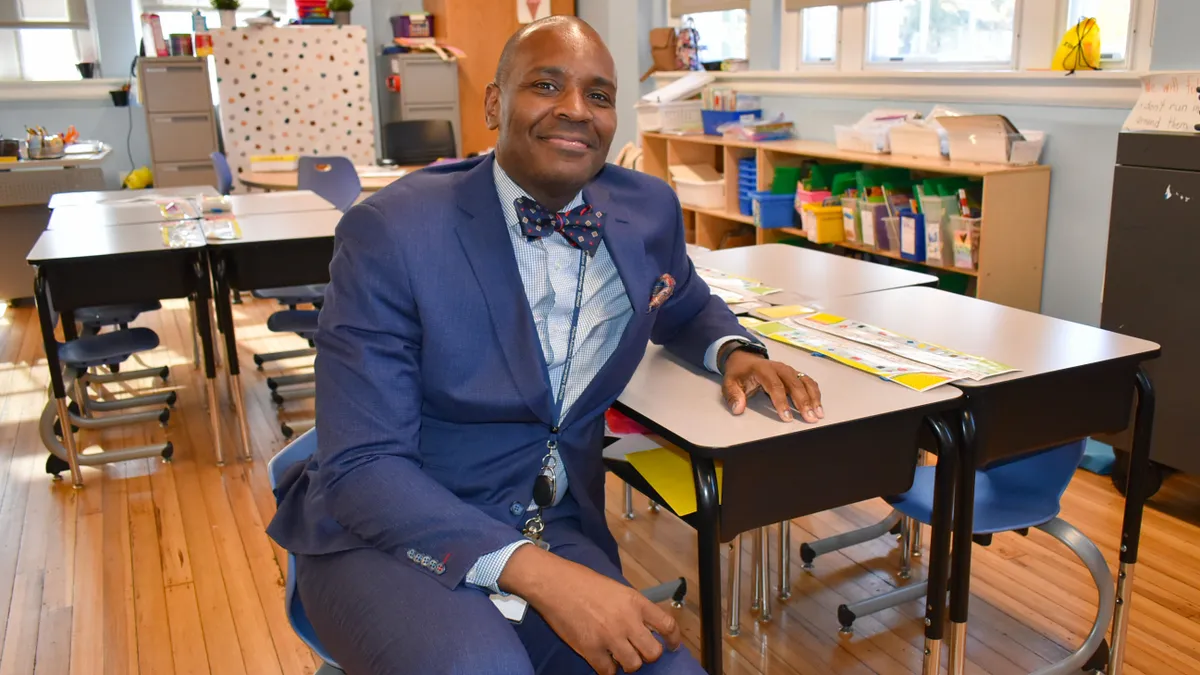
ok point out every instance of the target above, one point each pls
(902, 371)
(962, 366)
(668, 470)
(732, 288)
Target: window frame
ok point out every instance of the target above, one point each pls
(677, 22)
(837, 49)
(1038, 27)
(80, 21)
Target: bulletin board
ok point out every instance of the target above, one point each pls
(294, 90)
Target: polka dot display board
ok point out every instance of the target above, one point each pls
(294, 90)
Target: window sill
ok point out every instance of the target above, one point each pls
(72, 90)
(1091, 89)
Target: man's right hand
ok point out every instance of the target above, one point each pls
(604, 621)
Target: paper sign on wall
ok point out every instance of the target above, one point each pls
(1169, 102)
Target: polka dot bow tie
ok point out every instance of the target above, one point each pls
(581, 226)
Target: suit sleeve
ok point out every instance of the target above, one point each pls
(368, 381)
(693, 319)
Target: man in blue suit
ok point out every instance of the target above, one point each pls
(481, 317)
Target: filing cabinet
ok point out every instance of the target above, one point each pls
(418, 86)
(180, 119)
(1150, 282)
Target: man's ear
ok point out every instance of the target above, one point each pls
(491, 106)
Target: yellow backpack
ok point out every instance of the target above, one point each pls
(1080, 47)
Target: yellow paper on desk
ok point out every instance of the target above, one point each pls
(784, 311)
(669, 471)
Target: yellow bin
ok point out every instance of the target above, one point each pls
(822, 224)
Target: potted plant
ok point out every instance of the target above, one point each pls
(340, 9)
(228, 11)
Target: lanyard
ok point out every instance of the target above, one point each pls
(566, 370)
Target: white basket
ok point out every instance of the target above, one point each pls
(917, 141)
(701, 194)
(874, 140)
(670, 116)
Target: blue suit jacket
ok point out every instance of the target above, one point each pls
(433, 400)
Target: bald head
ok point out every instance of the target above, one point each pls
(569, 27)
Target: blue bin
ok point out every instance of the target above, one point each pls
(746, 201)
(715, 118)
(916, 223)
(770, 210)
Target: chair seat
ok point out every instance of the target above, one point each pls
(107, 348)
(291, 295)
(111, 315)
(302, 321)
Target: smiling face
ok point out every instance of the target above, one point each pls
(554, 104)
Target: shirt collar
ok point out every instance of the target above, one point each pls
(508, 192)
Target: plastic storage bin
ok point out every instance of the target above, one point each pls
(938, 234)
(887, 232)
(669, 116)
(701, 194)
(747, 184)
(875, 140)
(851, 225)
(418, 25)
(715, 118)
(771, 210)
(822, 224)
(965, 241)
(912, 236)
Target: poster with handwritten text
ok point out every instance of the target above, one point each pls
(1170, 101)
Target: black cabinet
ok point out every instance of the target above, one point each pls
(1152, 280)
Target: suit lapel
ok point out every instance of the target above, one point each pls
(626, 246)
(484, 238)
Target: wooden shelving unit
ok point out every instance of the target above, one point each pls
(1016, 201)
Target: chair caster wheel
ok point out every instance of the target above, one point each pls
(846, 619)
(286, 430)
(676, 605)
(164, 417)
(55, 465)
(172, 398)
(846, 631)
(165, 373)
(272, 384)
(905, 574)
(277, 399)
(168, 452)
(258, 361)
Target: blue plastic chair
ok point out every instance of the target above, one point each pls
(1013, 495)
(334, 178)
(224, 173)
(299, 450)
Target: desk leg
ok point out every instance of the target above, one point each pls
(709, 552)
(960, 571)
(56, 380)
(1131, 529)
(204, 326)
(225, 322)
(939, 544)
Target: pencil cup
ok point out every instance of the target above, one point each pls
(965, 242)
(890, 241)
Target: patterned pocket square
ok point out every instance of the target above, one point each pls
(663, 288)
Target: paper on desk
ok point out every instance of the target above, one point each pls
(669, 471)
(732, 288)
(910, 374)
(1168, 102)
(784, 311)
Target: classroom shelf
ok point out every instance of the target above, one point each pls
(896, 256)
(1014, 210)
(718, 213)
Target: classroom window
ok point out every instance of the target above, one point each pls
(819, 35)
(39, 54)
(723, 34)
(1113, 17)
(945, 32)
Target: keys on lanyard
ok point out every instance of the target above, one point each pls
(544, 488)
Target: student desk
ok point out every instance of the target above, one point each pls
(115, 265)
(128, 213)
(808, 273)
(1074, 381)
(61, 199)
(373, 178)
(866, 447)
(275, 250)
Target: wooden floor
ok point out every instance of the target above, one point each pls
(159, 568)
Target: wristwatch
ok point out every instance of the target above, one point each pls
(738, 344)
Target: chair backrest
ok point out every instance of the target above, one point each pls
(1044, 475)
(418, 141)
(224, 173)
(300, 449)
(334, 178)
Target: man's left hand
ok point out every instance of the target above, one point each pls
(746, 373)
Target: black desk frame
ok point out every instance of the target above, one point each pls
(1087, 400)
(743, 505)
(127, 278)
(260, 264)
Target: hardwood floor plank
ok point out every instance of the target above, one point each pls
(187, 636)
(90, 650)
(20, 638)
(149, 599)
